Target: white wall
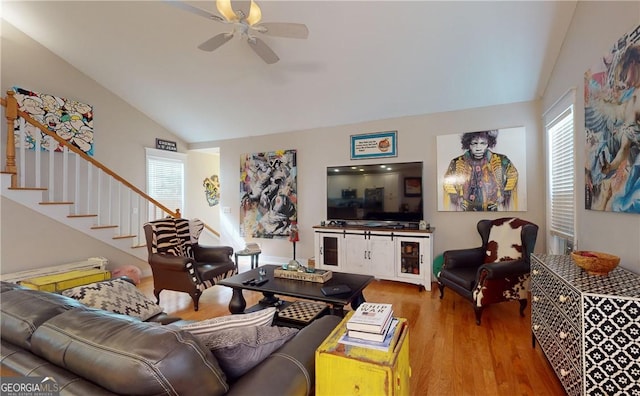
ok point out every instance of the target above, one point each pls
(323, 147)
(201, 165)
(30, 240)
(122, 133)
(596, 26)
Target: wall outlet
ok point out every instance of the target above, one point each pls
(226, 209)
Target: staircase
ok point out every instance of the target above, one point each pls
(75, 189)
(131, 243)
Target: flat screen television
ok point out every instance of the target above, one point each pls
(376, 194)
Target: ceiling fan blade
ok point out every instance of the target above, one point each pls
(215, 42)
(283, 29)
(263, 50)
(195, 10)
(255, 14)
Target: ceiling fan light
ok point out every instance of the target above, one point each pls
(255, 14)
(224, 8)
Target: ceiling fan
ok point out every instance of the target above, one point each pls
(245, 17)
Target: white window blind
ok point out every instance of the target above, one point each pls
(560, 134)
(165, 181)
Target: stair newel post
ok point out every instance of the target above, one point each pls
(11, 113)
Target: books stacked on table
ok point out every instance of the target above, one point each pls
(372, 325)
(252, 248)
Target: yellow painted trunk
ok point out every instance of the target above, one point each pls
(66, 280)
(351, 370)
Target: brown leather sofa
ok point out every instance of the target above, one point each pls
(94, 352)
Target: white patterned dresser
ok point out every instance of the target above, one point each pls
(588, 326)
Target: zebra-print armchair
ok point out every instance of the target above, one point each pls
(179, 263)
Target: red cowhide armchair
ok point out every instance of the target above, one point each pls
(495, 272)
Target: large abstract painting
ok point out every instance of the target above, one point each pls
(482, 171)
(612, 117)
(268, 193)
(71, 120)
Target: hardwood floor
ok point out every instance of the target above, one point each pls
(450, 354)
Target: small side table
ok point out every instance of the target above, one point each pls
(350, 370)
(254, 256)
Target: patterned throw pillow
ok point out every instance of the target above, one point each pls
(239, 350)
(505, 242)
(117, 296)
(263, 317)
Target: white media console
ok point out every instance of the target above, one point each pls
(404, 255)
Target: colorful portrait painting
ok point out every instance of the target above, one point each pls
(612, 127)
(212, 189)
(482, 171)
(268, 193)
(70, 120)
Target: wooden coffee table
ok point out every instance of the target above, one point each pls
(296, 288)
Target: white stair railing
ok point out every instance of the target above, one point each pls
(73, 178)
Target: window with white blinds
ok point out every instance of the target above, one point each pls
(560, 137)
(165, 180)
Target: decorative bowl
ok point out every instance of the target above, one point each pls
(595, 263)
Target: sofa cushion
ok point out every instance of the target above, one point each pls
(127, 356)
(504, 242)
(117, 296)
(463, 276)
(239, 350)
(171, 237)
(24, 310)
(21, 362)
(291, 369)
(263, 317)
(8, 286)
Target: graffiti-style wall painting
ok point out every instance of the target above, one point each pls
(482, 171)
(71, 120)
(212, 189)
(612, 116)
(268, 193)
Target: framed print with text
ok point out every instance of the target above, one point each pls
(374, 145)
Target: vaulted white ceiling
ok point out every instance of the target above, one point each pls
(363, 60)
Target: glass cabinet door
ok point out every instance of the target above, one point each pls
(329, 252)
(411, 258)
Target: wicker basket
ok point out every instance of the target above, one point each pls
(595, 263)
